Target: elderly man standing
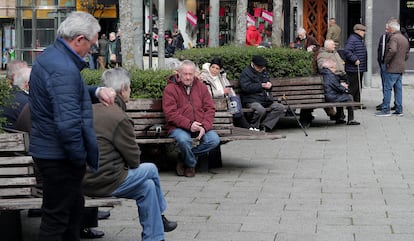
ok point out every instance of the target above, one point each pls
(356, 61)
(396, 55)
(189, 112)
(62, 137)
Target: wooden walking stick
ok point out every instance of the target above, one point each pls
(359, 88)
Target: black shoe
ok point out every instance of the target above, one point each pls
(340, 121)
(353, 123)
(34, 213)
(89, 233)
(393, 108)
(103, 214)
(168, 225)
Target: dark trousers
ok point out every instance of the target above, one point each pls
(63, 200)
(354, 86)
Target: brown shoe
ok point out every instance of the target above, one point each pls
(180, 169)
(189, 172)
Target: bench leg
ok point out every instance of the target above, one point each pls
(210, 160)
(10, 225)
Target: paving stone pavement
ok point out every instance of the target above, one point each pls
(340, 183)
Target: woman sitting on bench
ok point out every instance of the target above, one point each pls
(337, 91)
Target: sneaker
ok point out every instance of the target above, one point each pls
(382, 114)
(379, 107)
(253, 129)
(398, 113)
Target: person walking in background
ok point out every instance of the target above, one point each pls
(62, 138)
(111, 51)
(256, 93)
(253, 37)
(118, 48)
(189, 113)
(356, 61)
(120, 173)
(219, 87)
(103, 48)
(334, 32)
(396, 55)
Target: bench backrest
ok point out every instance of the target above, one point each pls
(298, 90)
(16, 176)
(147, 114)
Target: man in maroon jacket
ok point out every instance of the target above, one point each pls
(189, 114)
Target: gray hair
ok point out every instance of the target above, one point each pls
(13, 67)
(394, 26)
(22, 76)
(327, 42)
(187, 63)
(301, 30)
(79, 23)
(329, 63)
(116, 78)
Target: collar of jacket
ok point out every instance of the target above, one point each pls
(80, 63)
(119, 102)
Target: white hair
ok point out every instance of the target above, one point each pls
(301, 30)
(116, 78)
(394, 26)
(327, 42)
(22, 77)
(79, 23)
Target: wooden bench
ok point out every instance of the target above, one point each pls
(18, 186)
(304, 93)
(149, 124)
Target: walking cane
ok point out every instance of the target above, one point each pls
(294, 114)
(359, 88)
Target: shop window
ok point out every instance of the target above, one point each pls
(407, 18)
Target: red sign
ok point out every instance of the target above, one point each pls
(191, 18)
(267, 16)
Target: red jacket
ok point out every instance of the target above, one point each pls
(253, 37)
(181, 110)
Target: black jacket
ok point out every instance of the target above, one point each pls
(251, 87)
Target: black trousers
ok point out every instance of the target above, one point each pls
(354, 86)
(63, 200)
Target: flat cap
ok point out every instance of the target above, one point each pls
(359, 27)
(259, 61)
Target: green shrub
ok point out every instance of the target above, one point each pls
(283, 62)
(5, 99)
(144, 83)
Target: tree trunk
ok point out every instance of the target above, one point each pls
(214, 24)
(130, 17)
(240, 39)
(161, 34)
(277, 23)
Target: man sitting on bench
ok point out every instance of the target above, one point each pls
(337, 91)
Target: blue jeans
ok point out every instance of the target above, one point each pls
(208, 142)
(392, 80)
(143, 185)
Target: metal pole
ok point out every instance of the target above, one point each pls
(150, 33)
(161, 34)
(368, 42)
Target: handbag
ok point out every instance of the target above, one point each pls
(234, 106)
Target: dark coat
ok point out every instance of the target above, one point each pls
(12, 111)
(396, 53)
(355, 50)
(181, 110)
(251, 87)
(61, 108)
(334, 91)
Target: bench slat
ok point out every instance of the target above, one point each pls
(17, 181)
(16, 160)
